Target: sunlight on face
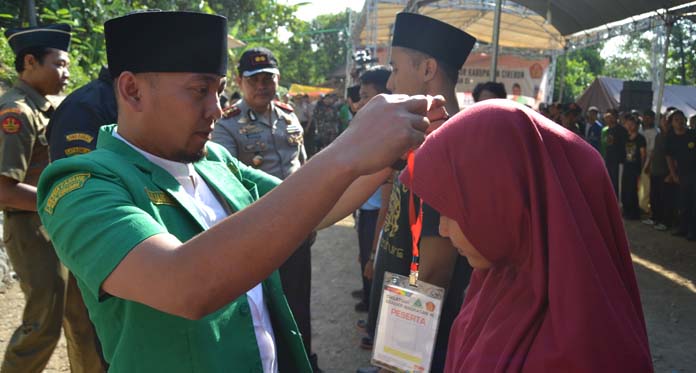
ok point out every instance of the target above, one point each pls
(181, 113)
(450, 228)
(404, 78)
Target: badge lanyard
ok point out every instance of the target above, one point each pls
(416, 223)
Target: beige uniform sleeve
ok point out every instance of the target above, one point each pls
(17, 137)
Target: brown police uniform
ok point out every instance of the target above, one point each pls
(274, 146)
(273, 142)
(52, 296)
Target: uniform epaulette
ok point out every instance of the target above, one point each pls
(284, 106)
(231, 112)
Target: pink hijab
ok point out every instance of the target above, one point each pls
(536, 201)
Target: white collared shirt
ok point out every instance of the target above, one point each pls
(211, 212)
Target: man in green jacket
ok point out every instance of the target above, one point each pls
(177, 273)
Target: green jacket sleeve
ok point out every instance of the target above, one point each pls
(91, 219)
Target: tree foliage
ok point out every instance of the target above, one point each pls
(306, 58)
(631, 61)
(577, 69)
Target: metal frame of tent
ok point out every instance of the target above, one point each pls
(659, 21)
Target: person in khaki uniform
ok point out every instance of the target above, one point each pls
(52, 296)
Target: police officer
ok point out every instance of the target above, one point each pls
(259, 131)
(267, 135)
(42, 63)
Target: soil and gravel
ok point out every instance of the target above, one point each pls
(665, 267)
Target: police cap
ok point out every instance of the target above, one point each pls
(51, 36)
(257, 60)
(437, 39)
(156, 41)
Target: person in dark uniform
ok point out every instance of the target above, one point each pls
(267, 135)
(423, 62)
(681, 159)
(74, 127)
(635, 159)
(615, 149)
(52, 297)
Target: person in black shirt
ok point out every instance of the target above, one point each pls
(681, 159)
(661, 184)
(616, 147)
(635, 158)
(74, 127)
(569, 118)
(423, 62)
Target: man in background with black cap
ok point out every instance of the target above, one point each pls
(267, 135)
(426, 57)
(74, 127)
(52, 297)
(178, 271)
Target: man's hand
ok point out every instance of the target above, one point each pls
(369, 269)
(384, 129)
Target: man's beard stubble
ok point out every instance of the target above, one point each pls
(191, 158)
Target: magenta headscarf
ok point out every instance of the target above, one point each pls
(535, 200)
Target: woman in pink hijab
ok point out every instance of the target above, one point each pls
(531, 207)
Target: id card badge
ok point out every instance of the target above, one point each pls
(407, 324)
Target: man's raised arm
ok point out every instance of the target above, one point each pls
(195, 278)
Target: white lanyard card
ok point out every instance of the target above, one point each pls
(407, 324)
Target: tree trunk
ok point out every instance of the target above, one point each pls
(30, 6)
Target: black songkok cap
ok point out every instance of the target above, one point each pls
(354, 93)
(51, 36)
(156, 41)
(257, 60)
(437, 39)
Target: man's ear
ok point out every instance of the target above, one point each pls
(129, 89)
(430, 69)
(30, 62)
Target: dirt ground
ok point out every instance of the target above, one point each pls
(665, 266)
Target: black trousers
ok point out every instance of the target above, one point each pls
(671, 199)
(613, 170)
(687, 206)
(657, 198)
(296, 277)
(367, 220)
(629, 191)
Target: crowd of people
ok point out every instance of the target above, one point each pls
(176, 234)
(652, 165)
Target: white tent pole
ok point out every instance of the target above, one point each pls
(663, 71)
(349, 52)
(551, 78)
(496, 39)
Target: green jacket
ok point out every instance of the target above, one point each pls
(98, 206)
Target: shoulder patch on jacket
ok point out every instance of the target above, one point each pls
(159, 197)
(12, 110)
(11, 124)
(284, 106)
(231, 112)
(81, 136)
(66, 186)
